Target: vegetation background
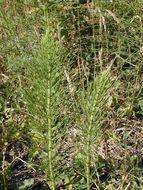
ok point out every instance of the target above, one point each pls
(71, 96)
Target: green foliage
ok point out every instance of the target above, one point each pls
(80, 133)
(93, 103)
(44, 96)
(27, 183)
(12, 126)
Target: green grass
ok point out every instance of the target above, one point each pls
(57, 92)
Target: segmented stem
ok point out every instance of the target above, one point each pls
(88, 160)
(88, 152)
(50, 143)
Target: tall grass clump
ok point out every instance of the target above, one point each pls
(93, 103)
(44, 96)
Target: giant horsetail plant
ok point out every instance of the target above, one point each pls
(44, 97)
(93, 103)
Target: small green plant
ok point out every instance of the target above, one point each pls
(44, 96)
(93, 103)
